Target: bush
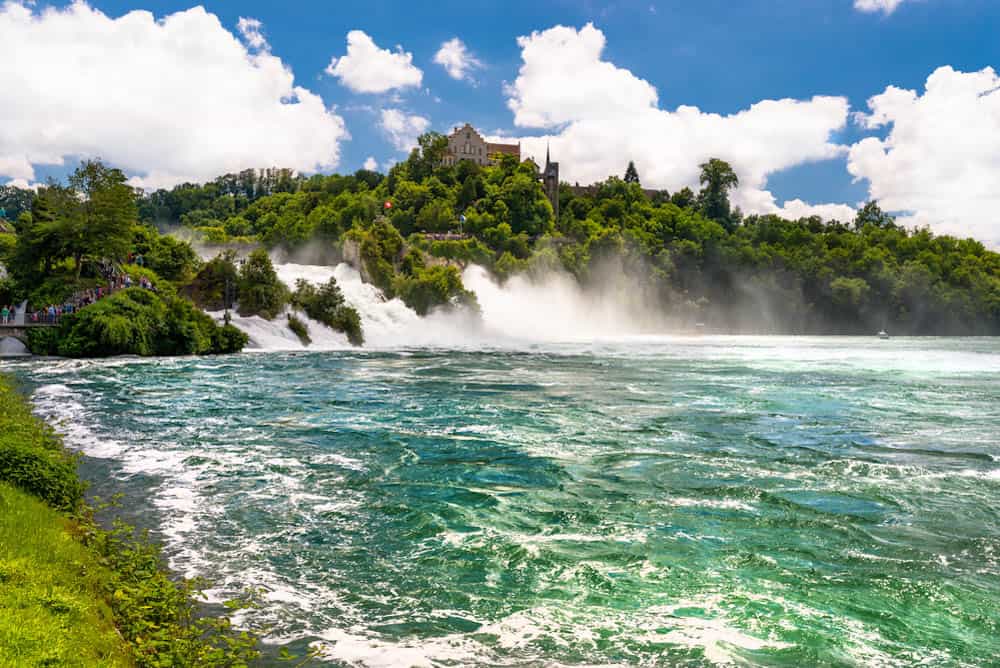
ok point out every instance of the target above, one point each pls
(32, 458)
(260, 291)
(141, 322)
(229, 339)
(172, 259)
(300, 329)
(380, 246)
(326, 304)
(43, 340)
(208, 289)
(437, 286)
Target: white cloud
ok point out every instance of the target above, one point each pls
(456, 59)
(564, 79)
(795, 208)
(884, 6)
(167, 100)
(941, 159)
(23, 184)
(603, 116)
(402, 128)
(253, 32)
(371, 164)
(368, 69)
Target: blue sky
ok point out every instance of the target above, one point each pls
(718, 55)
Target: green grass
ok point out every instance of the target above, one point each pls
(73, 594)
(52, 609)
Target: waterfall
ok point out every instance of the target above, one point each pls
(520, 312)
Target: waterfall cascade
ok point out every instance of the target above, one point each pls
(521, 311)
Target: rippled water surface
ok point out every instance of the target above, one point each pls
(763, 501)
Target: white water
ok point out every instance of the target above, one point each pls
(522, 311)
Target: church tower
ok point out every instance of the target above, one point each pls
(550, 182)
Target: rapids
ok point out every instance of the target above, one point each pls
(622, 501)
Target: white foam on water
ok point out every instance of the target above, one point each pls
(64, 411)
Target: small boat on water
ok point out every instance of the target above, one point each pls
(883, 334)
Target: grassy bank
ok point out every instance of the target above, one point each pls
(53, 610)
(74, 594)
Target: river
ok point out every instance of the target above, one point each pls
(618, 500)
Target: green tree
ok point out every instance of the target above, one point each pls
(326, 304)
(717, 179)
(427, 156)
(872, 214)
(39, 235)
(98, 225)
(683, 198)
(260, 291)
(14, 201)
(631, 173)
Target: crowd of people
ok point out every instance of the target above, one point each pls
(117, 280)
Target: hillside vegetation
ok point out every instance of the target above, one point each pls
(687, 255)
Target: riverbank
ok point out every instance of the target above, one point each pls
(75, 594)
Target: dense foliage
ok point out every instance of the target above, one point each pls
(326, 304)
(687, 254)
(138, 322)
(32, 457)
(70, 239)
(299, 329)
(74, 594)
(258, 289)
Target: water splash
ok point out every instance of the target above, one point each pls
(520, 313)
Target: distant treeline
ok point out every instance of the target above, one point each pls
(689, 254)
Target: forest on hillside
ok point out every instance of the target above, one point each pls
(687, 254)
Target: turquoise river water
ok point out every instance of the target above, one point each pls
(649, 501)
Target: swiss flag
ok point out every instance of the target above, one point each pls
(387, 205)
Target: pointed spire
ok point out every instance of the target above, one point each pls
(547, 161)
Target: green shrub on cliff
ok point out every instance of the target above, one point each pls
(209, 287)
(260, 291)
(326, 304)
(431, 287)
(141, 322)
(299, 329)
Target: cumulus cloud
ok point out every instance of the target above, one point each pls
(368, 69)
(940, 161)
(371, 164)
(403, 129)
(884, 6)
(23, 184)
(455, 58)
(253, 32)
(166, 100)
(563, 79)
(601, 116)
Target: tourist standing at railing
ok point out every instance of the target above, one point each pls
(5, 313)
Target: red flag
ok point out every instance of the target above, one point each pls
(387, 205)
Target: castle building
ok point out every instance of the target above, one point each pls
(465, 143)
